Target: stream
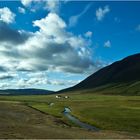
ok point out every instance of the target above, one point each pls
(67, 114)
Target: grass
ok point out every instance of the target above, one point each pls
(20, 121)
(109, 113)
(105, 112)
(125, 89)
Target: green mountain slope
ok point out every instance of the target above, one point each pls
(121, 77)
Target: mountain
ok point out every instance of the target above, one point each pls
(25, 92)
(121, 77)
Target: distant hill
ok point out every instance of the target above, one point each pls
(25, 92)
(121, 77)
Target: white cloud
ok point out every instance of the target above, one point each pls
(26, 3)
(63, 82)
(4, 76)
(50, 5)
(88, 34)
(50, 24)
(101, 12)
(21, 10)
(33, 5)
(31, 82)
(50, 49)
(107, 44)
(4, 85)
(6, 15)
(53, 5)
(74, 19)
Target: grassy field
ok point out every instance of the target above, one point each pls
(20, 121)
(116, 116)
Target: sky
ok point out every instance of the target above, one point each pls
(56, 44)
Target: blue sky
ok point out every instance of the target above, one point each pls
(56, 44)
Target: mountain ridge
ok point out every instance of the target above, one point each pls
(125, 71)
(27, 91)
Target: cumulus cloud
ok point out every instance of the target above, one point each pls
(63, 82)
(6, 15)
(33, 5)
(50, 49)
(22, 83)
(74, 19)
(27, 81)
(43, 78)
(50, 5)
(35, 82)
(3, 69)
(31, 80)
(10, 35)
(101, 12)
(107, 44)
(4, 76)
(21, 10)
(26, 3)
(88, 34)
(53, 5)
(4, 85)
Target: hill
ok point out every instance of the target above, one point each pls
(121, 77)
(25, 92)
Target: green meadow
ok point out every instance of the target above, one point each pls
(105, 112)
(108, 113)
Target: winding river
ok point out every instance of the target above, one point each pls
(67, 114)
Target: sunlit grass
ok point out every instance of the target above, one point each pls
(106, 112)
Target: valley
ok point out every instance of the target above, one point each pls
(69, 69)
(115, 116)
